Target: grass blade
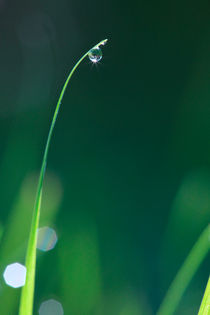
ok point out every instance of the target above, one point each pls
(205, 305)
(185, 274)
(27, 294)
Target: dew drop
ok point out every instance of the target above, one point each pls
(95, 54)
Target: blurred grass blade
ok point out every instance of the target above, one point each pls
(185, 274)
(80, 265)
(27, 294)
(1, 231)
(205, 305)
(15, 236)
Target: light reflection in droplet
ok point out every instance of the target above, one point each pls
(15, 275)
(51, 307)
(95, 54)
(46, 239)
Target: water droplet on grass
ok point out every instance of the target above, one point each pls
(95, 54)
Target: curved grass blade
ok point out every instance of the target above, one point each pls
(205, 305)
(185, 274)
(27, 294)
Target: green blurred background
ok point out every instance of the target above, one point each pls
(128, 177)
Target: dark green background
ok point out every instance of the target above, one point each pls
(128, 186)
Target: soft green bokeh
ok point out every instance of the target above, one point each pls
(130, 155)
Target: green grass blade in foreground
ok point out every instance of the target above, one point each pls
(185, 274)
(205, 305)
(27, 294)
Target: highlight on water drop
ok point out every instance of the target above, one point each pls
(95, 54)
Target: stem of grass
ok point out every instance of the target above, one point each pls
(27, 294)
(205, 305)
(185, 274)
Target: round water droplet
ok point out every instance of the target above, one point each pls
(95, 54)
